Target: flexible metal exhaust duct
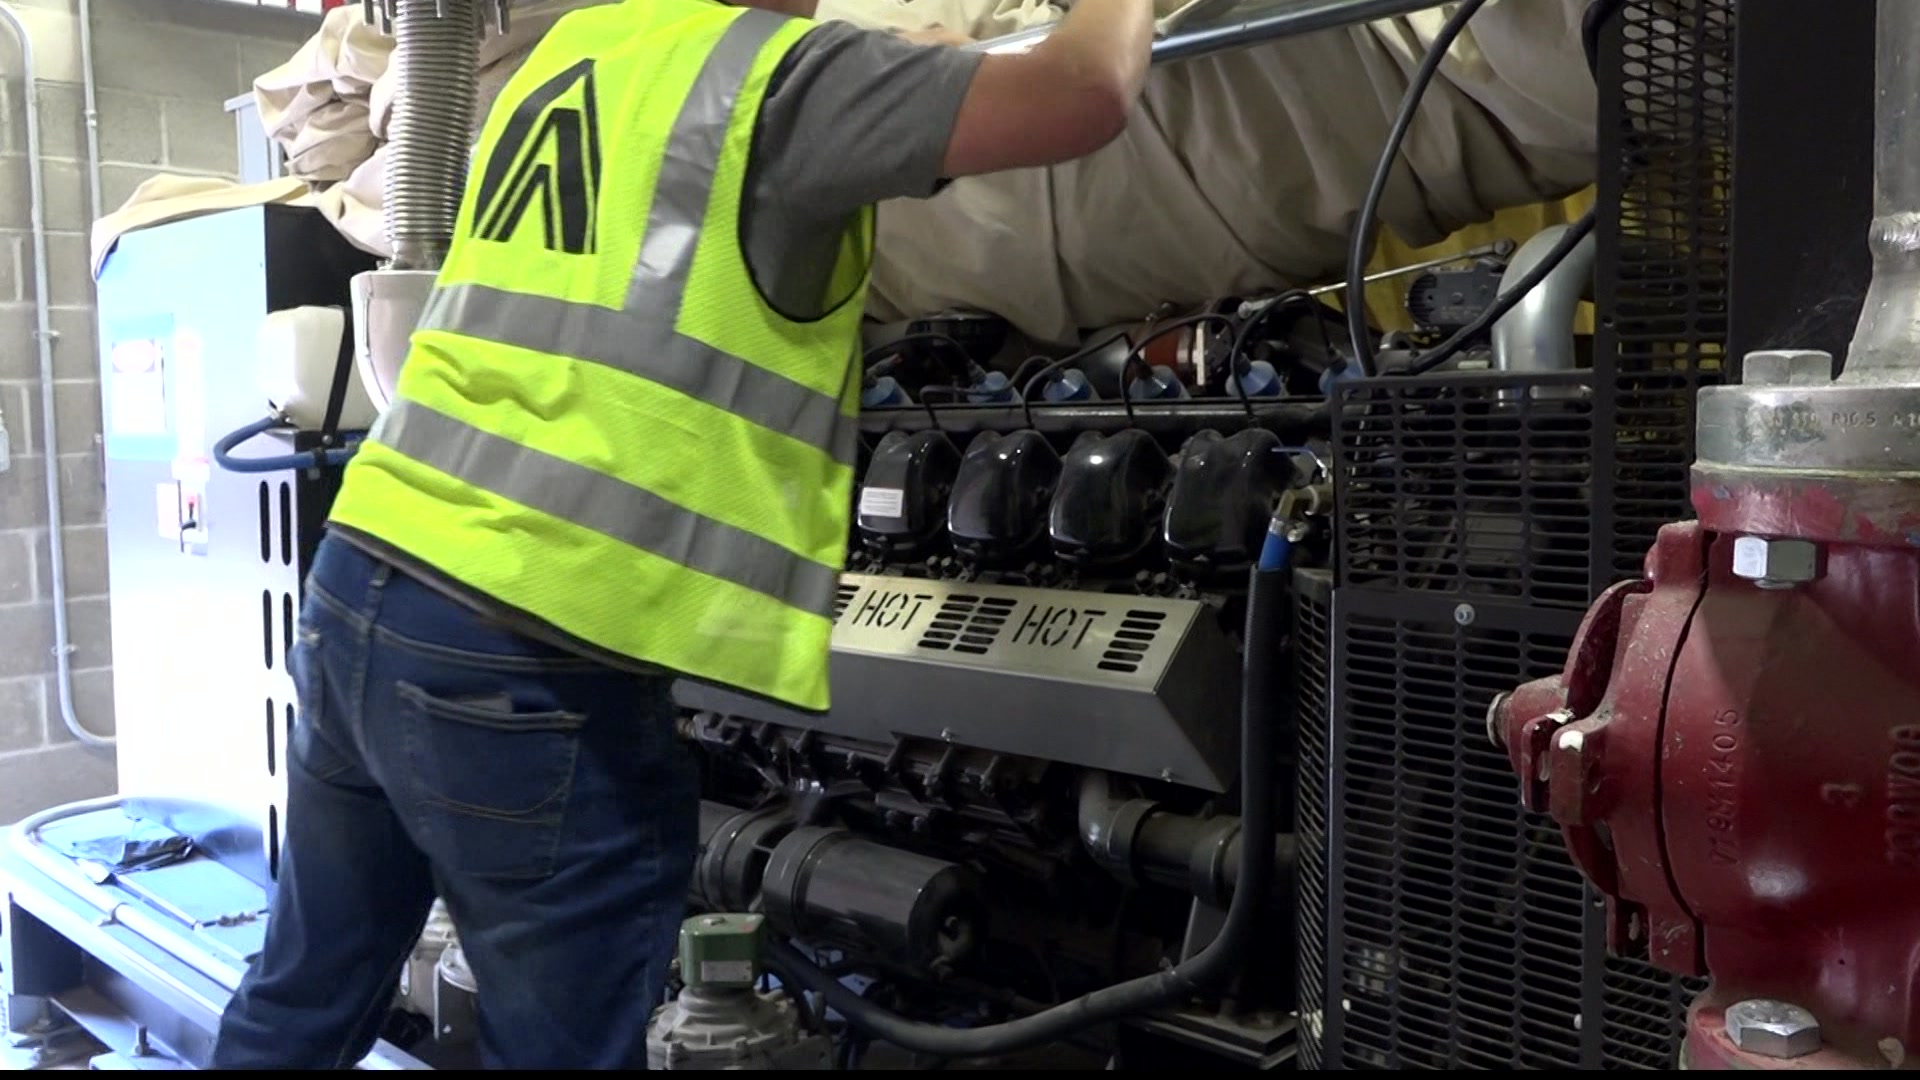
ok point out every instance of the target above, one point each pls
(437, 55)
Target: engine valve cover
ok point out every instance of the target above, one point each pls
(903, 501)
(1108, 505)
(1137, 685)
(1224, 491)
(999, 506)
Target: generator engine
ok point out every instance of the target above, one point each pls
(1027, 785)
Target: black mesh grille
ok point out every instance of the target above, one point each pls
(1313, 630)
(1665, 290)
(1475, 486)
(1462, 921)
(1644, 1015)
(1478, 516)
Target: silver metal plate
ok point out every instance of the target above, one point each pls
(1135, 685)
(1839, 427)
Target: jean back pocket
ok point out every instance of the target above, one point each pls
(491, 781)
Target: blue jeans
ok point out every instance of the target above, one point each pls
(542, 795)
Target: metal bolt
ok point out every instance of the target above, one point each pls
(1464, 614)
(1773, 1029)
(1167, 775)
(1788, 367)
(1776, 564)
(946, 734)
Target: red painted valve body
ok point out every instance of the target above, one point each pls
(1738, 769)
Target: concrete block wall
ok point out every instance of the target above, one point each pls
(165, 69)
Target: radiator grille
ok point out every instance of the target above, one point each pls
(1478, 516)
(1462, 921)
(1313, 636)
(1645, 1014)
(1665, 292)
(1459, 486)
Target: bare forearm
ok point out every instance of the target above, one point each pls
(1066, 98)
(1107, 41)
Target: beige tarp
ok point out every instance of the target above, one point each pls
(1238, 174)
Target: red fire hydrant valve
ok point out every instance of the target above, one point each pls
(1733, 749)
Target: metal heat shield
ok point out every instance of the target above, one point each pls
(1135, 685)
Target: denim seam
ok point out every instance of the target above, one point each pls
(334, 605)
(314, 733)
(495, 661)
(363, 656)
(557, 720)
(500, 661)
(380, 1002)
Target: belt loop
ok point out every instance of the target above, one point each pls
(376, 584)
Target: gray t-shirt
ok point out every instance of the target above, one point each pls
(853, 117)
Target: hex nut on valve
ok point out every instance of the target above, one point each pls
(1776, 564)
(1773, 1029)
(1788, 367)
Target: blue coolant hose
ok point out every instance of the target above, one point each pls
(305, 459)
(1276, 554)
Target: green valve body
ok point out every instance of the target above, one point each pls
(720, 952)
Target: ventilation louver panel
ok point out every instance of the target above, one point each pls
(1313, 635)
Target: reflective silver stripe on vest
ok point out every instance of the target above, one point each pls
(685, 185)
(694, 368)
(641, 340)
(593, 500)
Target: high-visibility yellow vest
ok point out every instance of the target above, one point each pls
(602, 422)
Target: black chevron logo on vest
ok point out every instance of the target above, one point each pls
(547, 164)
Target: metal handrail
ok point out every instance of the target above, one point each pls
(1252, 23)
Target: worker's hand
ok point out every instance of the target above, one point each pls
(1064, 98)
(935, 35)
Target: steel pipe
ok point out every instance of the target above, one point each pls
(1537, 335)
(1886, 347)
(1251, 23)
(43, 342)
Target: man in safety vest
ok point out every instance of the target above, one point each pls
(622, 451)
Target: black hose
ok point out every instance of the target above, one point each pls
(1508, 300)
(1592, 24)
(1366, 227)
(1226, 956)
